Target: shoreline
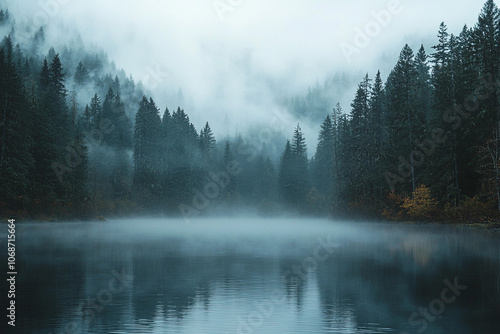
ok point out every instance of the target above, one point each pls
(492, 225)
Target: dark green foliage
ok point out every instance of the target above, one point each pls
(4, 17)
(115, 121)
(207, 147)
(434, 125)
(81, 76)
(322, 168)
(16, 141)
(146, 150)
(293, 174)
(406, 120)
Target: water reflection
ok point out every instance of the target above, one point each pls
(224, 279)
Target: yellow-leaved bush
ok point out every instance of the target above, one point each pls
(422, 205)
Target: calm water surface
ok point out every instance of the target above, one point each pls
(253, 276)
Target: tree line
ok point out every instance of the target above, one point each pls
(432, 128)
(423, 144)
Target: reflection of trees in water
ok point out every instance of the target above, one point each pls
(384, 283)
(47, 286)
(294, 279)
(178, 282)
(170, 281)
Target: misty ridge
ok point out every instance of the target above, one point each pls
(82, 139)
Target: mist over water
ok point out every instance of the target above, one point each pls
(254, 275)
(239, 130)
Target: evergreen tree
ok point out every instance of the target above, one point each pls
(185, 172)
(58, 104)
(52, 132)
(115, 122)
(94, 116)
(337, 114)
(207, 147)
(445, 171)
(423, 85)
(405, 120)
(322, 171)
(16, 142)
(486, 51)
(285, 176)
(146, 151)
(4, 17)
(81, 76)
(377, 121)
(360, 144)
(294, 183)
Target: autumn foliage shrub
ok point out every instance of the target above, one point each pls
(473, 209)
(422, 205)
(393, 209)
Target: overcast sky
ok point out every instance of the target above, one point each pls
(233, 57)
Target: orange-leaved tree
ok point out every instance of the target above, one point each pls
(422, 205)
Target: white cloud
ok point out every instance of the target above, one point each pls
(223, 66)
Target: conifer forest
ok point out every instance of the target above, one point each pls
(80, 138)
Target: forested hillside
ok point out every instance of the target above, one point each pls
(79, 139)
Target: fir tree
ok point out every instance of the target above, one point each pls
(16, 142)
(146, 150)
(322, 173)
(405, 120)
(81, 76)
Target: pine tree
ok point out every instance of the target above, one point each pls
(423, 85)
(446, 169)
(115, 122)
(322, 170)
(81, 76)
(285, 176)
(405, 121)
(184, 173)
(94, 116)
(207, 147)
(377, 121)
(360, 143)
(146, 151)
(4, 17)
(337, 115)
(16, 142)
(485, 38)
(58, 104)
(166, 149)
(50, 133)
(293, 176)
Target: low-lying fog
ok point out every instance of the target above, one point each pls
(257, 236)
(239, 275)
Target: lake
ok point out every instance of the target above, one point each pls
(253, 275)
